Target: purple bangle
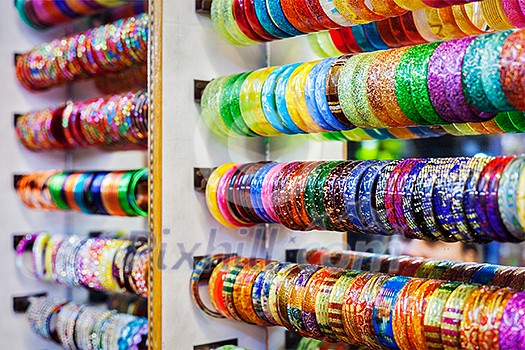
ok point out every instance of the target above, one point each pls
(454, 83)
(512, 326)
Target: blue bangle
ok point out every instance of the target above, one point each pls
(486, 274)
(378, 201)
(268, 101)
(419, 131)
(280, 98)
(472, 71)
(375, 134)
(351, 193)
(361, 39)
(95, 194)
(490, 73)
(131, 335)
(79, 192)
(442, 199)
(384, 309)
(65, 9)
(257, 295)
(266, 21)
(320, 96)
(256, 191)
(366, 193)
(373, 36)
(311, 100)
(412, 178)
(279, 19)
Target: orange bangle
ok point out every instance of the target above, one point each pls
(216, 283)
(374, 91)
(111, 206)
(350, 307)
(464, 22)
(387, 8)
(69, 191)
(489, 323)
(401, 308)
(450, 26)
(242, 301)
(415, 323)
(112, 197)
(492, 127)
(387, 84)
(474, 308)
(363, 12)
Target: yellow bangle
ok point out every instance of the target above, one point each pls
(479, 128)
(211, 193)
(255, 105)
(453, 314)
(357, 135)
(291, 91)
(465, 129)
(494, 15)
(464, 16)
(435, 24)
(450, 129)
(250, 90)
(411, 5)
(347, 11)
(300, 99)
(327, 45)
(450, 25)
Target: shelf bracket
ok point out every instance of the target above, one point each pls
(198, 89)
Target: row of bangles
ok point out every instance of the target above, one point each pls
(472, 83)
(103, 264)
(116, 193)
(370, 309)
(247, 22)
(114, 122)
(422, 26)
(409, 266)
(42, 14)
(478, 199)
(76, 326)
(101, 50)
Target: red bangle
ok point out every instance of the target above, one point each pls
(241, 19)
(349, 40)
(288, 7)
(337, 40)
(410, 28)
(304, 12)
(396, 25)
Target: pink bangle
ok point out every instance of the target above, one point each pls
(514, 12)
(267, 190)
(221, 198)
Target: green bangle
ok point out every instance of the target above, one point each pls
(55, 186)
(318, 195)
(360, 97)
(209, 107)
(314, 45)
(326, 44)
(404, 88)
(518, 120)
(218, 23)
(225, 105)
(503, 121)
(234, 104)
(418, 84)
(472, 70)
(345, 90)
(231, 25)
(123, 194)
(138, 176)
(490, 72)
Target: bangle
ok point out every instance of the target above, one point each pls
(278, 17)
(384, 309)
(210, 107)
(411, 5)
(475, 306)
(234, 105)
(322, 301)
(270, 274)
(276, 285)
(226, 101)
(336, 83)
(332, 10)
(280, 98)
(239, 14)
(418, 309)
(331, 194)
(309, 310)
(263, 17)
(379, 202)
(453, 315)
(509, 329)
(297, 296)
(211, 194)
(494, 15)
(510, 71)
(268, 101)
(284, 292)
(433, 317)
(311, 99)
(195, 279)
(401, 306)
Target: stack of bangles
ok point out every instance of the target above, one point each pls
(467, 272)
(83, 327)
(448, 199)
(371, 309)
(115, 122)
(419, 27)
(42, 14)
(133, 78)
(101, 50)
(476, 83)
(247, 22)
(116, 193)
(102, 264)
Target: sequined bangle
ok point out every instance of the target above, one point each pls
(384, 309)
(469, 333)
(366, 212)
(415, 325)
(334, 86)
(380, 196)
(509, 332)
(510, 72)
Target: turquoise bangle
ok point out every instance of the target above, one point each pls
(490, 72)
(280, 98)
(78, 192)
(268, 101)
(311, 100)
(361, 39)
(472, 74)
(404, 88)
(419, 86)
(373, 36)
(376, 134)
(279, 19)
(265, 20)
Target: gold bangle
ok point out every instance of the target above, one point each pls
(411, 5)
(449, 23)
(494, 15)
(465, 21)
(291, 91)
(423, 26)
